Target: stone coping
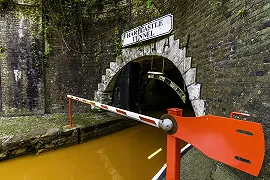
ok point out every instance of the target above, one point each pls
(37, 134)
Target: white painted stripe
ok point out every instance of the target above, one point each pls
(154, 153)
(132, 115)
(160, 172)
(165, 165)
(185, 148)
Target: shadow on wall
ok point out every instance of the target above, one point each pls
(134, 91)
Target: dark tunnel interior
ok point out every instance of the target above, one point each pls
(134, 91)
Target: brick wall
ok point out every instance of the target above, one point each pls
(78, 70)
(229, 44)
(21, 81)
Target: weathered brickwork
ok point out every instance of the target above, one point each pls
(21, 82)
(77, 71)
(229, 44)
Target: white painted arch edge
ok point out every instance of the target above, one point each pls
(168, 48)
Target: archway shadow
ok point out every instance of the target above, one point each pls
(134, 91)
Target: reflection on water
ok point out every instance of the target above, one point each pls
(119, 156)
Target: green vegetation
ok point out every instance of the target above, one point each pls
(242, 12)
(2, 52)
(218, 4)
(97, 51)
(24, 124)
(68, 19)
(215, 3)
(149, 4)
(117, 41)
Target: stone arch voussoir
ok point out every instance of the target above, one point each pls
(168, 48)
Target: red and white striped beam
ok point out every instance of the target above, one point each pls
(139, 117)
(164, 124)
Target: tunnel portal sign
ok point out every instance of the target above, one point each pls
(153, 29)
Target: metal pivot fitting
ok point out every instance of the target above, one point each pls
(166, 125)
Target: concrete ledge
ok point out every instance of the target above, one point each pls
(43, 140)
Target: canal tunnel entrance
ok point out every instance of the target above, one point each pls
(136, 92)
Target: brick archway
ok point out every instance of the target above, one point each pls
(168, 48)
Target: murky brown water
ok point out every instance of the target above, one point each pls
(120, 156)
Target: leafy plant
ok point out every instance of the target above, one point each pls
(2, 49)
(241, 13)
(215, 3)
(117, 42)
(149, 4)
(97, 51)
(2, 52)
(67, 18)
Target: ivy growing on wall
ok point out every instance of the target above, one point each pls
(146, 8)
(69, 18)
(65, 17)
(215, 3)
(2, 51)
(117, 42)
(97, 51)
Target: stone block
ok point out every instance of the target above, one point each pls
(172, 41)
(135, 53)
(173, 48)
(125, 53)
(114, 66)
(183, 52)
(160, 46)
(149, 49)
(198, 107)
(110, 73)
(187, 64)
(119, 60)
(101, 87)
(176, 60)
(190, 76)
(103, 97)
(194, 91)
(181, 67)
(171, 52)
(104, 79)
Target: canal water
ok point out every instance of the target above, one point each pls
(131, 154)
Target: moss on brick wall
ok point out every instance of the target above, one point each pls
(78, 70)
(229, 44)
